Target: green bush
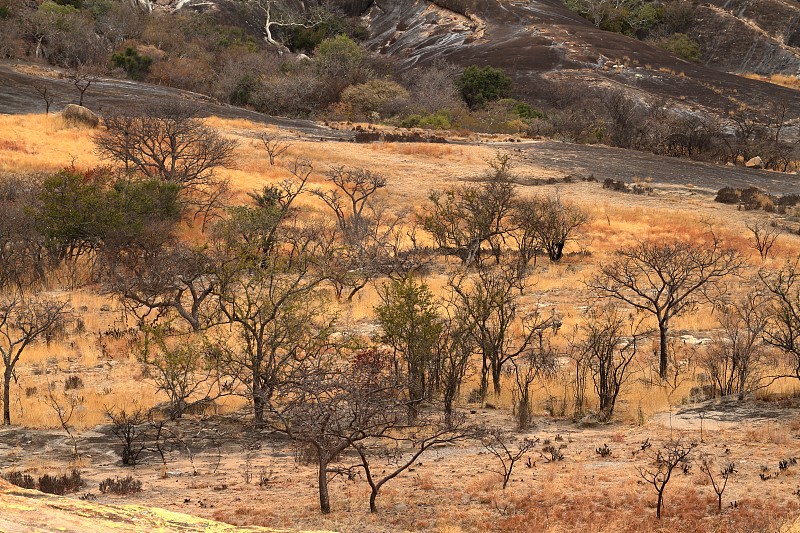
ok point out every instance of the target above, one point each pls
(440, 120)
(481, 85)
(5, 12)
(682, 46)
(135, 66)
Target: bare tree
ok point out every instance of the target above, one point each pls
(276, 16)
(665, 279)
(783, 327)
(453, 353)
(169, 142)
(545, 223)
(81, 79)
(64, 408)
(275, 144)
(363, 235)
(606, 344)
(499, 444)
(536, 360)
(764, 236)
(667, 458)
(172, 278)
(490, 302)
(23, 320)
(46, 94)
(463, 219)
(718, 481)
(735, 360)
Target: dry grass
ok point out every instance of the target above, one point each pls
(778, 79)
(454, 490)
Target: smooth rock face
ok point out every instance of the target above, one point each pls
(80, 115)
(23, 510)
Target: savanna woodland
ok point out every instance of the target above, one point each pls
(418, 300)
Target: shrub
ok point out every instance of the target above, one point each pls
(20, 480)
(374, 96)
(73, 382)
(62, 484)
(120, 485)
(682, 46)
(481, 85)
(435, 121)
(135, 66)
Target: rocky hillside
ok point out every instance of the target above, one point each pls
(542, 37)
(746, 36)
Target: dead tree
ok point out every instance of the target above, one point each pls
(665, 279)
(276, 17)
(361, 243)
(607, 343)
(46, 94)
(499, 444)
(538, 359)
(718, 481)
(545, 223)
(275, 145)
(667, 458)
(462, 220)
(783, 328)
(764, 236)
(81, 80)
(23, 320)
(490, 302)
(736, 359)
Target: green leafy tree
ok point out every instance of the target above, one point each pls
(411, 325)
(481, 85)
(136, 66)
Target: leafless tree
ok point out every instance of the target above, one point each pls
(275, 144)
(128, 426)
(64, 407)
(174, 278)
(275, 15)
(23, 320)
(665, 279)
(500, 444)
(607, 343)
(764, 236)
(46, 94)
(82, 79)
(490, 301)
(463, 219)
(24, 260)
(718, 481)
(266, 287)
(675, 452)
(454, 350)
(169, 142)
(545, 223)
(735, 361)
(538, 359)
(361, 243)
(783, 327)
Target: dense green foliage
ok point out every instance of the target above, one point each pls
(136, 66)
(481, 85)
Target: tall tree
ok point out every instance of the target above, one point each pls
(23, 320)
(665, 279)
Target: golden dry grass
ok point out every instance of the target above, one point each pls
(577, 496)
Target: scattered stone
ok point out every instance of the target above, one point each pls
(80, 116)
(755, 162)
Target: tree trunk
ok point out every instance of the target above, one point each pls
(7, 398)
(497, 372)
(662, 367)
(324, 498)
(659, 504)
(373, 507)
